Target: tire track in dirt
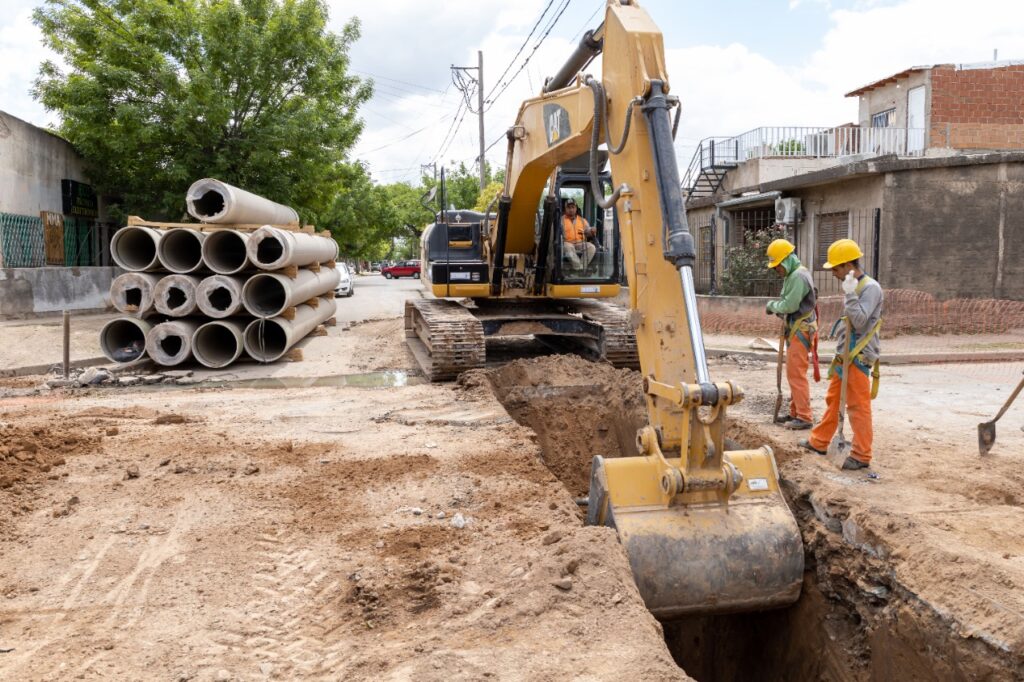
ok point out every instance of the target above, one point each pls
(286, 630)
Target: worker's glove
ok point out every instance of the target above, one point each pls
(850, 283)
(768, 310)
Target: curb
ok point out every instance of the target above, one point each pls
(44, 369)
(896, 359)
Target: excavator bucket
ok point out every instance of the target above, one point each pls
(693, 554)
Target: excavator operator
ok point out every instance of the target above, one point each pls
(577, 231)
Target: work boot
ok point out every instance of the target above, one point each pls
(798, 424)
(784, 418)
(854, 464)
(806, 444)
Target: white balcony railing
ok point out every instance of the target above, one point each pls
(797, 141)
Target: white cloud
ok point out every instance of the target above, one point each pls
(21, 52)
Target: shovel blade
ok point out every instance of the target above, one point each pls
(838, 450)
(986, 437)
(778, 408)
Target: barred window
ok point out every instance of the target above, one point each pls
(831, 226)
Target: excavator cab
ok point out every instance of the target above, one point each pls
(598, 259)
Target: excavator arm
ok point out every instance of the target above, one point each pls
(706, 530)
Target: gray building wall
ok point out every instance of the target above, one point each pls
(33, 291)
(894, 96)
(32, 164)
(956, 231)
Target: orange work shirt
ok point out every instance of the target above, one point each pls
(574, 230)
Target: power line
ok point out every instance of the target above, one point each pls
(395, 80)
(455, 122)
(404, 137)
(536, 46)
(526, 41)
(587, 22)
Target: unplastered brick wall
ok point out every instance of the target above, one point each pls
(977, 108)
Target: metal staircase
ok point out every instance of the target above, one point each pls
(714, 157)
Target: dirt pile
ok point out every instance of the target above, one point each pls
(577, 408)
(31, 453)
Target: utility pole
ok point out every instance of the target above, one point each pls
(480, 106)
(432, 165)
(479, 80)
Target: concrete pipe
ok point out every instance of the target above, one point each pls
(132, 292)
(269, 294)
(218, 343)
(170, 343)
(124, 339)
(266, 340)
(213, 201)
(272, 249)
(181, 250)
(175, 295)
(224, 252)
(220, 296)
(135, 248)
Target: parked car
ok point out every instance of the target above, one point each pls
(374, 266)
(346, 285)
(404, 268)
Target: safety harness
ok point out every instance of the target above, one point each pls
(807, 334)
(856, 346)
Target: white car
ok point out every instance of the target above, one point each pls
(346, 287)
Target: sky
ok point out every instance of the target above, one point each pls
(734, 64)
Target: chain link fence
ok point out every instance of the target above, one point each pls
(22, 242)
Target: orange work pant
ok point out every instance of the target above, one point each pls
(858, 406)
(797, 362)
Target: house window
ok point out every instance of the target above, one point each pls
(883, 119)
(831, 226)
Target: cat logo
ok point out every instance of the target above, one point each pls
(556, 123)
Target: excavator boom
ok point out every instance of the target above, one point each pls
(706, 530)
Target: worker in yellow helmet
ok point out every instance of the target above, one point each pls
(797, 305)
(863, 309)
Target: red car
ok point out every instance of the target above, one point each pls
(405, 268)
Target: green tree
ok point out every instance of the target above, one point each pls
(159, 93)
(488, 194)
(362, 217)
(745, 273)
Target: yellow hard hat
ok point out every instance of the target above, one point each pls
(842, 251)
(777, 252)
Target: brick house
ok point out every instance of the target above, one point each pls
(954, 106)
(928, 181)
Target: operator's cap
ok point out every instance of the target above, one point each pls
(777, 252)
(842, 251)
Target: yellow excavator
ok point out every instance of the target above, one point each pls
(706, 530)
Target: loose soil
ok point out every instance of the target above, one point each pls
(335, 533)
(915, 574)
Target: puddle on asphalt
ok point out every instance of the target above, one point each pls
(385, 379)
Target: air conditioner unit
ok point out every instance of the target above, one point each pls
(787, 211)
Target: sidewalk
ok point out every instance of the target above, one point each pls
(902, 350)
(38, 342)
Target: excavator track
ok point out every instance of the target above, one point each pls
(444, 337)
(619, 347)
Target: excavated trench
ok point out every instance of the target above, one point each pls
(852, 622)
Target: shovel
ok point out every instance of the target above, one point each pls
(840, 448)
(987, 430)
(778, 375)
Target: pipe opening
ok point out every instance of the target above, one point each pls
(134, 249)
(225, 252)
(265, 295)
(269, 250)
(176, 297)
(210, 204)
(181, 251)
(220, 298)
(215, 345)
(171, 345)
(266, 340)
(123, 341)
(133, 296)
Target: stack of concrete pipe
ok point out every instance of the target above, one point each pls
(216, 295)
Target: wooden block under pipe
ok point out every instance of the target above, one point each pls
(293, 355)
(289, 313)
(321, 330)
(313, 302)
(331, 322)
(314, 267)
(290, 271)
(329, 264)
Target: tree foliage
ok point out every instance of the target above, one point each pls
(160, 93)
(745, 273)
